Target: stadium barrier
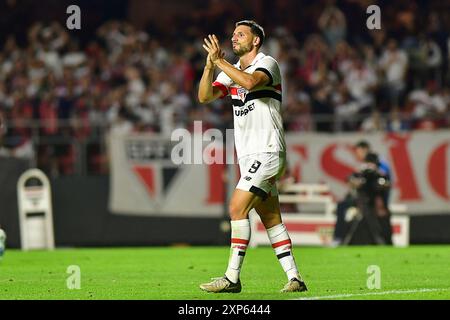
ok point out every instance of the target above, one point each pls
(82, 218)
(302, 193)
(313, 230)
(317, 228)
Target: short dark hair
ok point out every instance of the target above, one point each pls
(256, 29)
(363, 144)
(372, 157)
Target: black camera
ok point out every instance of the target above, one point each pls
(372, 182)
(369, 180)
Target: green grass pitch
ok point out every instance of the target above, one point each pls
(174, 273)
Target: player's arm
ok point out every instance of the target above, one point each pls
(244, 79)
(206, 91)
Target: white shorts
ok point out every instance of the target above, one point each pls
(259, 173)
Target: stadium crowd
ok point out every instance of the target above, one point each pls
(336, 77)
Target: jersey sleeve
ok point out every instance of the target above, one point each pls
(269, 66)
(223, 82)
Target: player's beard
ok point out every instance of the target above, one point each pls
(242, 49)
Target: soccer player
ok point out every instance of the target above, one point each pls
(254, 84)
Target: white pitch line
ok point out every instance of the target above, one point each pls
(348, 295)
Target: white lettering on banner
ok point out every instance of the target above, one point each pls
(145, 179)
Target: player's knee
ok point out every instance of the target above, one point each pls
(236, 211)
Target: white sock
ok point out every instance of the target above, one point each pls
(282, 245)
(240, 236)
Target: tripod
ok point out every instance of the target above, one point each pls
(367, 213)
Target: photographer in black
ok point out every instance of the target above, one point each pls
(366, 205)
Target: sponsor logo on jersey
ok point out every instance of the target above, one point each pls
(244, 111)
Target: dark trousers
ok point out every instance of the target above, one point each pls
(379, 227)
(341, 227)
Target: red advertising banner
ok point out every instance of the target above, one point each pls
(419, 164)
(146, 181)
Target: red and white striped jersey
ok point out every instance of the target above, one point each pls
(258, 126)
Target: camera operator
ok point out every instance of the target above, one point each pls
(371, 186)
(362, 149)
(367, 198)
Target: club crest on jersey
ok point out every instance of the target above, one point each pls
(241, 93)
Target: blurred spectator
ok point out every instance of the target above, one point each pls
(428, 106)
(333, 24)
(361, 81)
(65, 90)
(322, 109)
(373, 123)
(397, 122)
(393, 64)
(433, 58)
(347, 110)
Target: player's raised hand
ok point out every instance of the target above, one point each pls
(212, 46)
(216, 41)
